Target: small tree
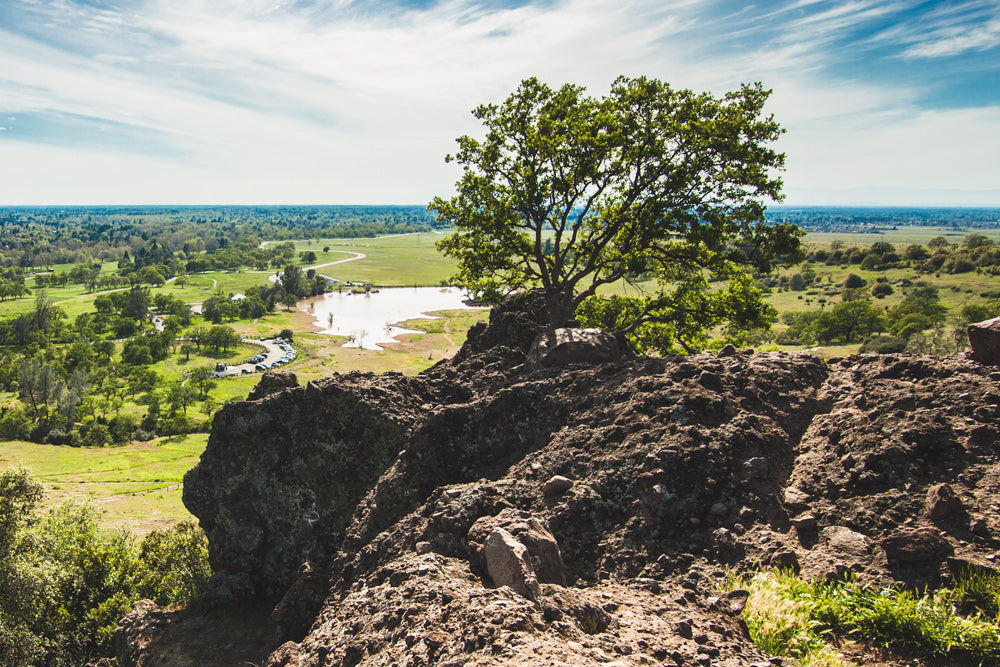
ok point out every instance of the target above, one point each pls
(201, 378)
(568, 193)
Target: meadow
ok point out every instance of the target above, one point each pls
(138, 485)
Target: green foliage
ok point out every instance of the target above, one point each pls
(881, 289)
(854, 281)
(884, 345)
(568, 193)
(174, 564)
(790, 616)
(64, 583)
(919, 310)
(977, 312)
(849, 319)
(977, 591)
(800, 329)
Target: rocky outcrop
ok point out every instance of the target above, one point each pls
(492, 510)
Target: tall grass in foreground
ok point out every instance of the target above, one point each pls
(793, 617)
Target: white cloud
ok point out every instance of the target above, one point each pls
(947, 30)
(266, 104)
(959, 40)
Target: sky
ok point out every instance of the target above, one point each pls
(344, 102)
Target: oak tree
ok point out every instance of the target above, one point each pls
(658, 189)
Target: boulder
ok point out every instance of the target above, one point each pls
(543, 550)
(508, 563)
(287, 655)
(141, 625)
(984, 341)
(846, 545)
(796, 499)
(298, 608)
(942, 501)
(916, 545)
(557, 484)
(570, 346)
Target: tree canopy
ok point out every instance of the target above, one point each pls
(663, 189)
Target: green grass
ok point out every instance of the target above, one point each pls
(900, 237)
(138, 485)
(390, 261)
(793, 617)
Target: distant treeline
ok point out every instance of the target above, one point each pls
(39, 237)
(869, 219)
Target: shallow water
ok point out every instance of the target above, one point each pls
(368, 320)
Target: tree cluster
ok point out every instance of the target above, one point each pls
(977, 252)
(65, 584)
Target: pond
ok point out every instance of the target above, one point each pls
(369, 319)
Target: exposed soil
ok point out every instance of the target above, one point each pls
(359, 503)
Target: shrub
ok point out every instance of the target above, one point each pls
(884, 344)
(881, 289)
(15, 424)
(175, 564)
(65, 583)
(854, 281)
(977, 312)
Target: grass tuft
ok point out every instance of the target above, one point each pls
(792, 617)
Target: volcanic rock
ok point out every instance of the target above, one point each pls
(561, 347)
(508, 563)
(681, 466)
(984, 341)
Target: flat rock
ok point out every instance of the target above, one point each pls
(796, 499)
(942, 501)
(557, 484)
(533, 533)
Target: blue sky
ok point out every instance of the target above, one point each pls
(343, 102)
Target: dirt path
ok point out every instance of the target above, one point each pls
(357, 255)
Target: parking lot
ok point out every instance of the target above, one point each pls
(276, 352)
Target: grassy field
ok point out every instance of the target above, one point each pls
(955, 290)
(390, 261)
(140, 484)
(900, 237)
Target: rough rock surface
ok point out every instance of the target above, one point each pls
(984, 340)
(390, 486)
(508, 563)
(571, 346)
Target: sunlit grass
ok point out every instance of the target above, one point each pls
(793, 617)
(138, 485)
